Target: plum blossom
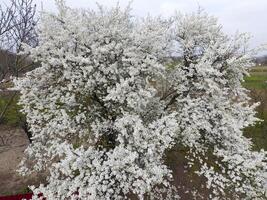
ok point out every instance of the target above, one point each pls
(104, 107)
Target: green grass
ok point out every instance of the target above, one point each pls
(257, 78)
(258, 135)
(257, 84)
(259, 69)
(13, 115)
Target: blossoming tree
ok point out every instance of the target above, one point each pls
(103, 107)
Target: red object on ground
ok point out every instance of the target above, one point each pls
(17, 197)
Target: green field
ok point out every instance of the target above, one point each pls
(257, 84)
(257, 78)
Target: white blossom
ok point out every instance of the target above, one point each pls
(103, 107)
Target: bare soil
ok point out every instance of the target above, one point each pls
(13, 142)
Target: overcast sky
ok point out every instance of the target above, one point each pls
(235, 15)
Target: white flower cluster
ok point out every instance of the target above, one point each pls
(103, 107)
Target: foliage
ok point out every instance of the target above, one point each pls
(103, 109)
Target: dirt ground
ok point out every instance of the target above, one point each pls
(13, 142)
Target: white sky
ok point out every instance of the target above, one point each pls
(235, 15)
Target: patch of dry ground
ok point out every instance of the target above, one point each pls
(13, 142)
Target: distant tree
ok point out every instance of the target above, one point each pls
(6, 60)
(102, 119)
(17, 26)
(262, 60)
